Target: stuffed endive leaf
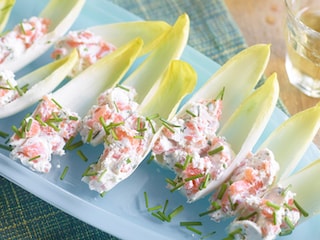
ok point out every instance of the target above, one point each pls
(146, 77)
(57, 117)
(35, 36)
(38, 83)
(128, 142)
(197, 124)
(5, 11)
(269, 190)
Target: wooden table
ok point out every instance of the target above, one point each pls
(262, 21)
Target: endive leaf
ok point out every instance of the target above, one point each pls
(238, 76)
(120, 33)
(244, 127)
(305, 183)
(40, 82)
(81, 93)
(292, 138)
(5, 11)
(61, 14)
(170, 47)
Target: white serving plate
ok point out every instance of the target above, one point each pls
(122, 212)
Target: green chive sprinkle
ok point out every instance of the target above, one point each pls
(221, 94)
(90, 134)
(82, 155)
(177, 186)
(146, 199)
(208, 235)
(248, 216)
(285, 232)
(192, 229)
(103, 193)
(165, 206)
(73, 118)
(74, 145)
(168, 125)
(222, 190)
(19, 90)
(4, 134)
(34, 158)
(289, 223)
(184, 224)
(176, 211)
(157, 207)
(301, 210)
(204, 184)
(122, 87)
(215, 151)
(159, 216)
(22, 28)
(65, 170)
(191, 113)
(207, 212)
(5, 147)
(56, 103)
(273, 205)
(193, 177)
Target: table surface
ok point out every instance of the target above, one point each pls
(262, 21)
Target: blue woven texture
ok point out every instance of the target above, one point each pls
(213, 33)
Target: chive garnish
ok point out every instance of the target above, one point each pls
(159, 216)
(146, 199)
(192, 229)
(184, 224)
(222, 190)
(82, 155)
(4, 134)
(56, 103)
(73, 146)
(103, 193)
(52, 125)
(38, 118)
(154, 116)
(208, 235)
(177, 186)
(207, 212)
(248, 216)
(168, 125)
(154, 208)
(175, 212)
(171, 182)
(216, 150)
(19, 90)
(65, 170)
(191, 113)
(285, 232)
(122, 87)
(90, 134)
(193, 177)
(301, 210)
(274, 218)
(165, 206)
(22, 28)
(5, 147)
(73, 118)
(273, 205)
(221, 94)
(204, 184)
(289, 223)
(34, 158)
(16, 131)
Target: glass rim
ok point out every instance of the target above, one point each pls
(290, 12)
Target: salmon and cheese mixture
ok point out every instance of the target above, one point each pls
(90, 48)
(126, 136)
(43, 133)
(16, 42)
(8, 87)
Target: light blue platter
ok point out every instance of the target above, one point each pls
(122, 211)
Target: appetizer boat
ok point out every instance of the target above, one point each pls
(32, 37)
(113, 120)
(5, 11)
(196, 148)
(142, 80)
(57, 117)
(95, 42)
(263, 206)
(17, 95)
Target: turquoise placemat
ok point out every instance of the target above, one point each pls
(213, 33)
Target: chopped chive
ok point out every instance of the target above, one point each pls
(215, 151)
(52, 125)
(273, 205)
(192, 229)
(101, 175)
(138, 137)
(29, 123)
(82, 155)
(171, 182)
(151, 158)
(165, 206)
(215, 205)
(175, 212)
(204, 184)
(41, 122)
(274, 218)
(115, 106)
(285, 232)
(163, 216)
(221, 94)
(24, 88)
(90, 134)
(207, 212)
(56, 103)
(22, 28)
(233, 205)
(177, 186)
(168, 125)
(151, 209)
(65, 170)
(17, 131)
(248, 216)
(89, 173)
(74, 145)
(73, 118)
(301, 210)
(5, 147)
(157, 215)
(122, 87)
(208, 235)
(103, 194)
(19, 90)
(289, 223)
(68, 143)
(222, 190)
(152, 126)
(154, 116)
(284, 192)
(191, 113)
(183, 224)
(4, 134)
(193, 177)
(146, 199)
(34, 158)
